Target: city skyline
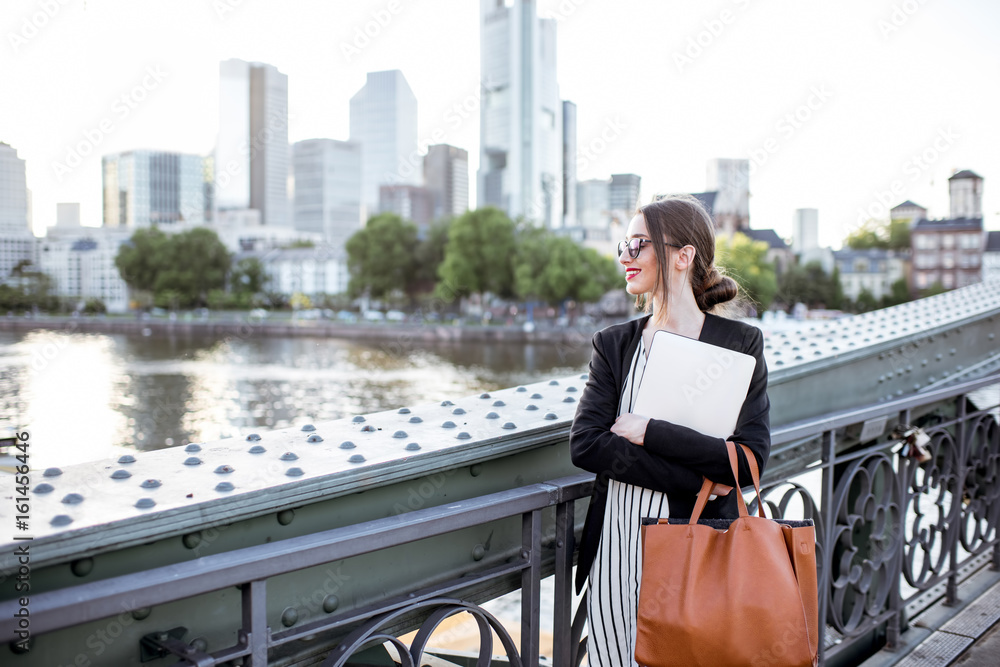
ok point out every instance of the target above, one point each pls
(831, 117)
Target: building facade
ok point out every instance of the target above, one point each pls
(908, 210)
(384, 124)
(991, 257)
(410, 202)
(778, 252)
(569, 163)
(81, 263)
(17, 242)
(327, 188)
(623, 195)
(805, 230)
(593, 204)
(309, 271)
(874, 270)
(730, 180)
(446, 176)
(252, 154)
(145, 188)
(521, 115)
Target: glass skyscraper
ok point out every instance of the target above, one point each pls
(144, 188)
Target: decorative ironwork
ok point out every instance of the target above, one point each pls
(980, 507)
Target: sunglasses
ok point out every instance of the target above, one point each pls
(634, 246)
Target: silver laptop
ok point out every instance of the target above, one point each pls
(694, 384)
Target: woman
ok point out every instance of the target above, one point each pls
(649, 467)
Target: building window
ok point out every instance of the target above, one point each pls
(921, 280)
(948, 260)
(970, 241)
(947, 240)
(861, 266)
(925, 241)
(948, 280)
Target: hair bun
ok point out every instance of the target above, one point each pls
(716, 288)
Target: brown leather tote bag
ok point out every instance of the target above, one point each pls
(719, 592)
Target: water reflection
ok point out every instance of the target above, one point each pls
(88, 396)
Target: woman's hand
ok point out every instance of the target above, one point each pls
(631, 427)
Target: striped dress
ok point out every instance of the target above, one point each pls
(613, 595)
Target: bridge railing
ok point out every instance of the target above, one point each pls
(890, 530)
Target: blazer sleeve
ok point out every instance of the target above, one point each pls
(707, 455)
(595, 448)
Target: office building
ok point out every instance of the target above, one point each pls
(623, 195)
(446, 175)
(521, 135)
(252, 154)
(569, 164)
(17, 243)
(805, 230)
(592, 201)
(145, 188)
(950, 250)
(384, 124)
(413, 203)
(328, 188)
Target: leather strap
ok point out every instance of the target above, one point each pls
(707, 484)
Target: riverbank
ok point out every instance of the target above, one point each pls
(248, 326)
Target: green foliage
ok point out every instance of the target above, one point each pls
(179, 270)
(810, 285)
(900, 293)
(935, 288)
(380, 257)
(248, 276)
(866, 301)
(430, 254)
(745, 260)
(94, 306)
(899, 234)
(553, 269)
(299, 243)
(881, 234)
(478, 255)
(28, 290)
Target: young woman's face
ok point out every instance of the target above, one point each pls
(640, 272)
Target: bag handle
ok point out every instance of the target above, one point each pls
(706, 486)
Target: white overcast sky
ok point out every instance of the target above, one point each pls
(900, 79)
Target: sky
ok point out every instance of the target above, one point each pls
(848, 107)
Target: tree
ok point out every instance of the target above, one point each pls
(430, 254)
(900, 293)
(140, 259)
(745, 260)
(870, 234)
(248, 276)
(554, 268)
(478, 256)
(899, 234)
(935, 288)
(810, 284)
(380, 257)
(865, 301)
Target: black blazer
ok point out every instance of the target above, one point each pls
(674, 458)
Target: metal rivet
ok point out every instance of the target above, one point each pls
(52, 472)
(458, 411)
(199, 644)
(463, 436)
(347, 444)
(330, 603)
(368, 429)
(224, 486)
(142, 613)
(476, 469)
(400, 434)
(484, 395)
(492, 415)
(412, 447)
(192, 461)
(536, 396)
(509, 425)
(224, 470)
(358, 420)
(257, 449)
(446, 404)
(191, 540)
(448, 424)
(61, 520)
(584, 376)
(553, 383)
(121, 474)
(403, 411)
(357, 458)
(571, 389)
(192, 448)
(498, 404)
(72, 499)
(294, 472)
(289, 456)
(531, 406)
(125, 458)
(289, 617)
(570, 399)
(285, 517)
(253, 437)
(145, 503)
(315, 437)
(478, 552)
(308, 428)
(521, 389)
(150, 484)
(415, 419)
(82, 567)
(44, 488)
(550, 416)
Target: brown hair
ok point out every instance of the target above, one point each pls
(683, 220)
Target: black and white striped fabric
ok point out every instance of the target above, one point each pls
(613, 595)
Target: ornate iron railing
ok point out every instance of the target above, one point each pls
(889, 529)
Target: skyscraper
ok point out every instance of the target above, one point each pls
(143, 188)
(328, 188)
(384, 123)
(521, 136)
(805, 230)
(252, 153)
(623, 195)
(446, 174)
(569, 164)
(17, 243)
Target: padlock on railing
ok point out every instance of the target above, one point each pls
(914, 442)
